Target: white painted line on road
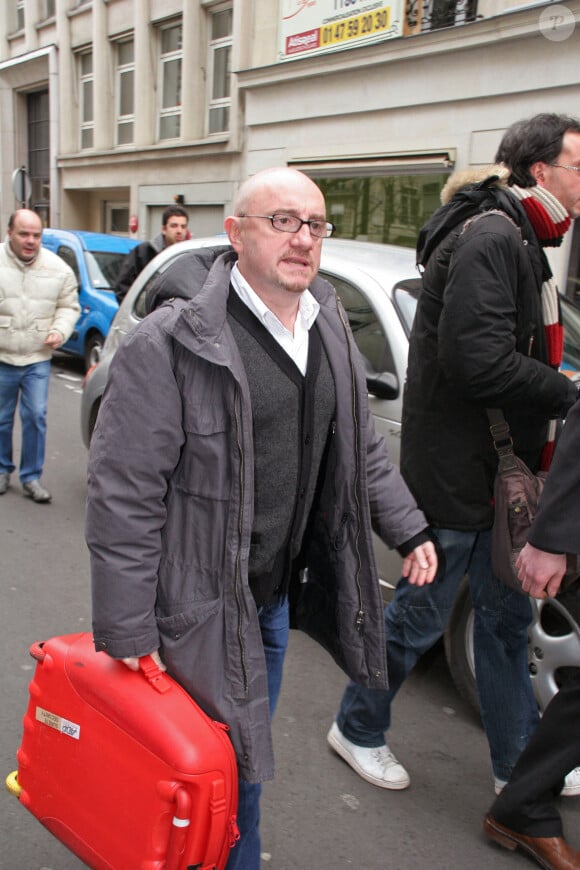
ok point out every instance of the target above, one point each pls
(64, 377)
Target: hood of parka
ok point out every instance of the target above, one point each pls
(186, 277)
(467, 192)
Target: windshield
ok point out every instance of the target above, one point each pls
(103, 268)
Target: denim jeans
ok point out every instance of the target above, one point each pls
(417, 617)
(31, 384)
(274, 627)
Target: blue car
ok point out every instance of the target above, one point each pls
(95, 258)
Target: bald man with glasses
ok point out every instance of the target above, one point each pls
(256, 489)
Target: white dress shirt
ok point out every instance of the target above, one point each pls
(295, 345)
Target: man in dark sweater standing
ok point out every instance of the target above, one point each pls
(256, 487)
(174, 223)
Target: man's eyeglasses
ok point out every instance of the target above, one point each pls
(289, 223)
(563, 166)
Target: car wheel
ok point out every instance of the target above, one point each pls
(93, 349)
(553, 644)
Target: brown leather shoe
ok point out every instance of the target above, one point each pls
(552, 853)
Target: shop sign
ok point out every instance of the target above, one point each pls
(317, 26)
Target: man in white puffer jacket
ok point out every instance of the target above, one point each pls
(38, 310)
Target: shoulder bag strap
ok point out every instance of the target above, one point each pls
(502, 439)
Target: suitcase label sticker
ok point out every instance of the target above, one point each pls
(71, 729)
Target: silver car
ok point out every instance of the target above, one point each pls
(378, 286)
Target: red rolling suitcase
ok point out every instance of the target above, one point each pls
(123, 767)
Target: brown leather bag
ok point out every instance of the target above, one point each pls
(517, 492)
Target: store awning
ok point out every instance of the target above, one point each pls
(402, 163)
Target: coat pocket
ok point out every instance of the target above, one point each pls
(174, 626)
(192, 642)
(42, 324)
(204, 468)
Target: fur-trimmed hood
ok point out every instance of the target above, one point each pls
(467, 193)
(497, 175)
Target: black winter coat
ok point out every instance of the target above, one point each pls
(478, 341)
(134, 263)
(556, 526)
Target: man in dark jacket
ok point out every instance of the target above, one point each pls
(486, 335)
(173, 229)
(524, 815)
(235, 468)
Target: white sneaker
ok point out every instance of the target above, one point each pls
(378, 766)
(571, 784)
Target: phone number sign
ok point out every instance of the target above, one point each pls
(318, 26)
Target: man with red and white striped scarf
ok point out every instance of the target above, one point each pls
(487, 334)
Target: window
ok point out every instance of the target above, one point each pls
(425, 15)
(68, 255)
(87, 118)
(405, 297)
(365, 321)
(117, 217)
(170, 76)
(382, 208)
(103, 268)
(409, 204)
(39, 147)
(49, 8)
(19, 14)
(125, 92)
(219, 65)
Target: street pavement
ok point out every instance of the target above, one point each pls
(317, 813)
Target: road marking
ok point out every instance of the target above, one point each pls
(76, 378)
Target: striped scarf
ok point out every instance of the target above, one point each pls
(550, 221)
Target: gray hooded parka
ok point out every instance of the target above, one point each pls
(170, 508)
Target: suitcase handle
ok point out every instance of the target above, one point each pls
(156, 678)
(37, 651)
(13, 785)
(147, 665)
(179, 828)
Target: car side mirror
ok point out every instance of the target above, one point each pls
(383, 385)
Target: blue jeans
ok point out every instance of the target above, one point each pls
(417, 617)
(274, 627)
(31, 384)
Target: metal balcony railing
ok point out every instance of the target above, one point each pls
(422, 16)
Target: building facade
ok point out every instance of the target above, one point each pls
(118, 108)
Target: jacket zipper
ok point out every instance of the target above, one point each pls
(240, 534)
(532, 338)
(360, 616)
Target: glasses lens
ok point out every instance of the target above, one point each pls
(286, 222)
(326, 230)
(319, 229)
(289, 223)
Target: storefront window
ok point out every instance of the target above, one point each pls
(389, 209)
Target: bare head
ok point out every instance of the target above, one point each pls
(25, 234)
(277, 253)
